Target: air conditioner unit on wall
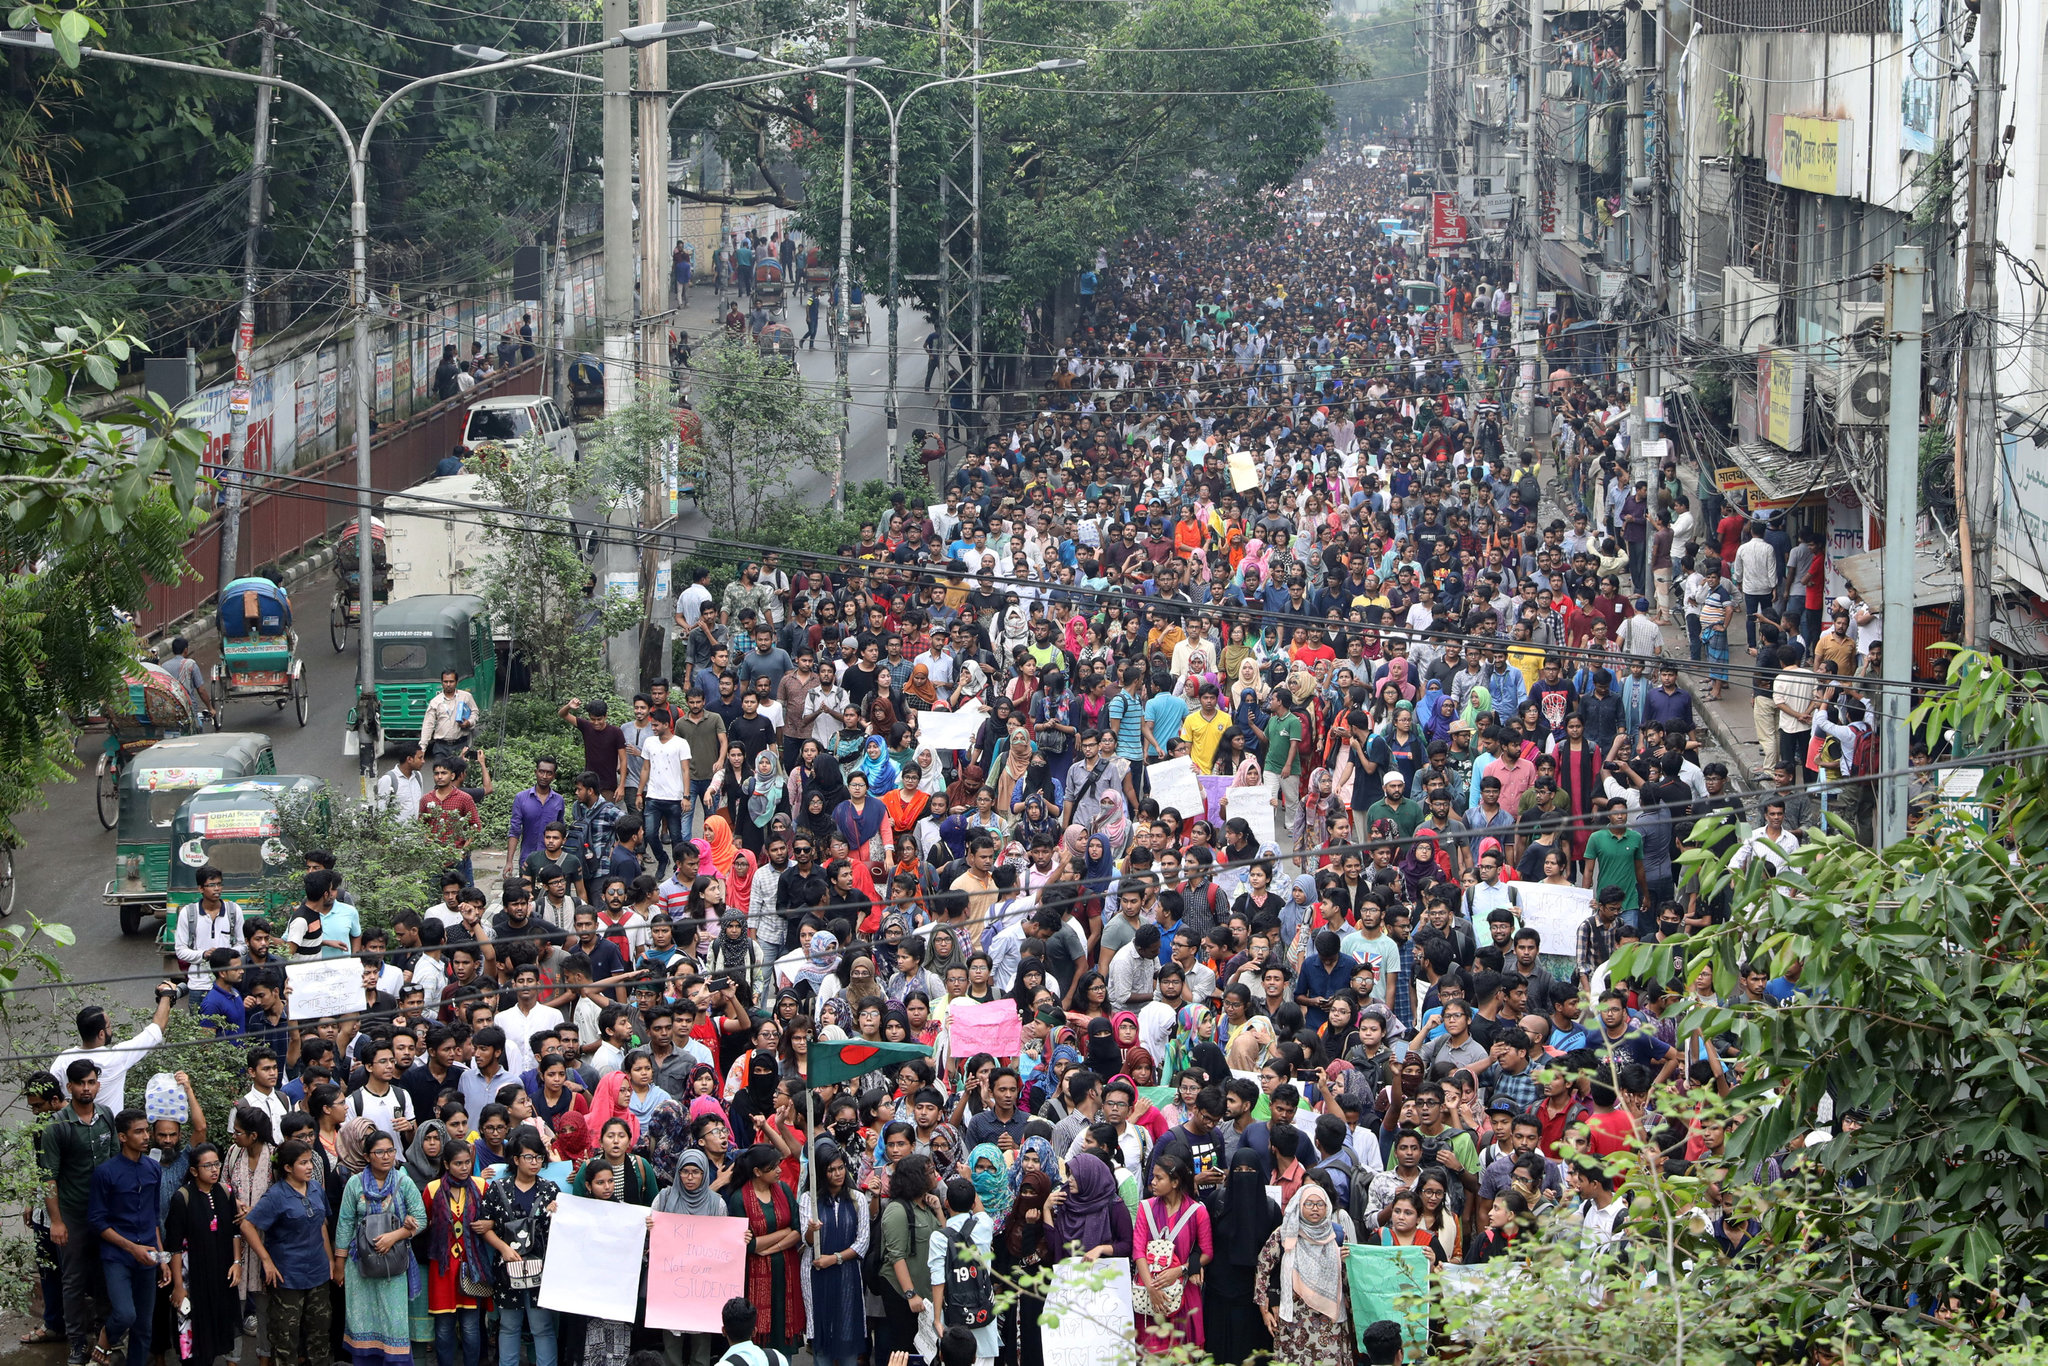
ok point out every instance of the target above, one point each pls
(1863, 374)
(1749, 304)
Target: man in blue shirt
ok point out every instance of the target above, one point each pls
(122, 1210)
(223, 1010)
(1322, 977)
(1163, 716)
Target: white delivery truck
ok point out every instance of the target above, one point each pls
(434, 536)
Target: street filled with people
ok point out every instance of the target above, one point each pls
(1197, 835)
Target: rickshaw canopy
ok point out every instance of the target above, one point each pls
(254, 607)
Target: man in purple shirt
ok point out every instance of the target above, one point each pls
(531, 812)
(1669, 703)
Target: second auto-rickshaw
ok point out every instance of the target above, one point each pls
(235, 827)
(152, 788)
(417, 638)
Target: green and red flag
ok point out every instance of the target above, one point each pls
(849, 1058)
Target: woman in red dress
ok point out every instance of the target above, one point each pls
(456, 1255)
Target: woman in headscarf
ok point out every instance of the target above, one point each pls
(377, 1321)
(1020, 1241)
(815, 819)
(1437, 709)
(836, 1237)
(1422, 864)
(1478, 702)
(725, 850)
(877, 767)
(907, 803)
(919, 692)
(1105, 1055)
(1040, 821)
(1098, 867)
(960, 795)
(1247, 1218)
(942, 951)
(1307, 1318)
(1113, 824)
(609, 1100)
(821, 960)
(1087, 1214)
(456, 1256)
(762, 798)
(423, 1155)
(991, 1177)
(864, 821)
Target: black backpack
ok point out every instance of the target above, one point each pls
(970, 1298)
(873, 1274)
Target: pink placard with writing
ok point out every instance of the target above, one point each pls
(985, 1027)
(695, 1263)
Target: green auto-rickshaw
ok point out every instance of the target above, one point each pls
(415, 639)
(151, 789)
(234, 826)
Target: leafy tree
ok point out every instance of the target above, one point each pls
(760, 425)
(95, 512)
(533, 575)
(1920, 975)
(1186, 106)
(1390, 76)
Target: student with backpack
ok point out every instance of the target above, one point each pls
(963, 1293)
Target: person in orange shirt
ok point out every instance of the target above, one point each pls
(1188, 537)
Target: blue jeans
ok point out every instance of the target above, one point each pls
(466, 1325)
(131, 1300)
(698, 787)
(531, 1318)
(663, 814)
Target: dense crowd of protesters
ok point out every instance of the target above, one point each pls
(1263, 520)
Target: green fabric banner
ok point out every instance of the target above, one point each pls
(1388, 1283)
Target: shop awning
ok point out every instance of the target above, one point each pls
(1563, 262)
(1771, 474)
(1935, 582)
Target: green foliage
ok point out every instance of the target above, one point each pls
(1388, 74)
(818, 531)
(1077, 159)
(390, 865)
(761, 424)
(91, 513)
(533, 575)
(1920, 973)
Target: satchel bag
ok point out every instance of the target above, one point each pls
(382, 1219)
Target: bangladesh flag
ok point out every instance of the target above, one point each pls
(850, 1058)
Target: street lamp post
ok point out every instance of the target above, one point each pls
(895, 116)
(356, 151)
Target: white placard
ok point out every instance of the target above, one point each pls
(1255, 804)
(593, 1262)
(1087, 1319)
(324, 986)
(951, 729)
(1555, 913)
(1175, 783)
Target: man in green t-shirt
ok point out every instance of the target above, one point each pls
(1614, 858)
(1282, 739)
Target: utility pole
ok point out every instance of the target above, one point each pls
(1977, 453)
(554, 310)
(654, 304)
(842, 308)
(616, 322)
(1529, 344)
(976, 278)
(245, 334)
(615, 319)
(1902, 324)
(1638, 343)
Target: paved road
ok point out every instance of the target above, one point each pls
(68, 858)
